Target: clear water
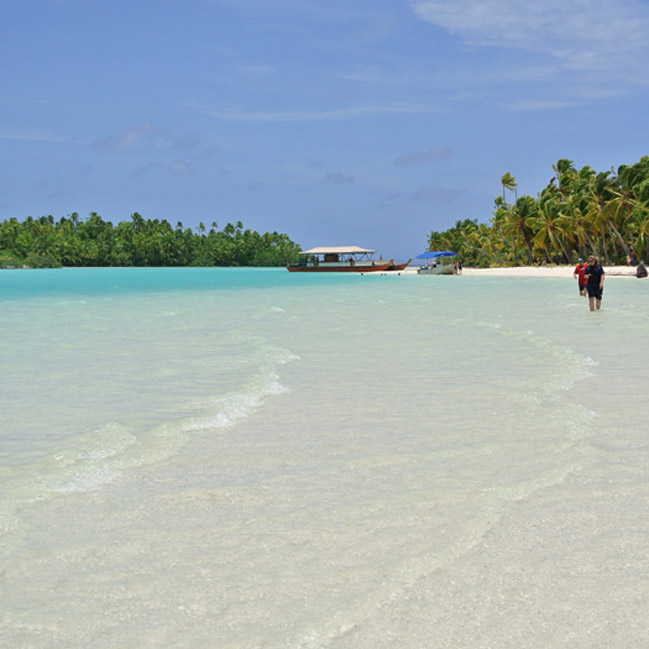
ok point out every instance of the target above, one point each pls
(254, 458)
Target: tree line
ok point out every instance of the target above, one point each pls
(580, 212)
(71, 241)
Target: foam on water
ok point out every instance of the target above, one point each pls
(94, 387)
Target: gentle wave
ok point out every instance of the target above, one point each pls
(100, 456)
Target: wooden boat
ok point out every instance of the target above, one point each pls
(339, 259)
(399, 266)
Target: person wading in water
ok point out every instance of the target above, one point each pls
(594, 274)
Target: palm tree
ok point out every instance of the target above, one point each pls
(613, 204)
(517, 222)
(552, 230)
(624, 201)
(139, 224)
(564, 172)
(501, 216)
(581, 225)
(509, 182)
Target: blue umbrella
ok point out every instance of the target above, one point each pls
(434, 255)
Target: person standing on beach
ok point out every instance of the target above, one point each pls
(580, 269)
(594, 274)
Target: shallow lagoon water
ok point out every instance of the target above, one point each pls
(252, 458)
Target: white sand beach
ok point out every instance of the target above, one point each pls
(545, 271)
(533, 271)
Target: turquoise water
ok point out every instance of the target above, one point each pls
(18, 284)
(255, 458)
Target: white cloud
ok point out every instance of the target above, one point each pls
(582, 35)
(255, 69)
(145, 136)
(337, 178)
(314, 116)
(541, 104)
(30, 136)
(420, 157)
(180, 168)
(144, 170)
(432, 195)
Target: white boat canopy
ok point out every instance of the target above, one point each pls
(338, 250)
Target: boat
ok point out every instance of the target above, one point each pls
(340, 259)
(399, 265)
(438, 262)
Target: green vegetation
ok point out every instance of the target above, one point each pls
(580, 212)
(46, 243)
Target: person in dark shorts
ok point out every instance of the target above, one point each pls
(594, 274)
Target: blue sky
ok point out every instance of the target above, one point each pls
(364, 122)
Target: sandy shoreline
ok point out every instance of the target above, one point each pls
(545, 271)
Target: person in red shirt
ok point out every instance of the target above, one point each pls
(579, 273)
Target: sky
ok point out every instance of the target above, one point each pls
(337, 122)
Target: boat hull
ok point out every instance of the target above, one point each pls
(395, 266)
(347, 268)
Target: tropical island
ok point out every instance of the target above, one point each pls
(580, 212)
(71, 241)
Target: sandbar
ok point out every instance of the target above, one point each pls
(544, 271)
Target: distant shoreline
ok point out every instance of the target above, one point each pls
(535, 271)
(510, 271)
(545, 271)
